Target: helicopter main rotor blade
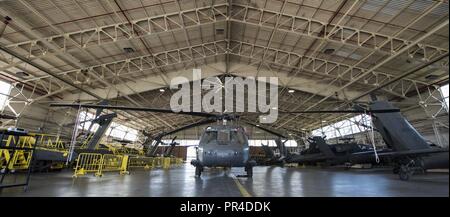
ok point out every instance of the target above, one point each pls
(5, 116)
(368, 111)
(126, 108)
(198, 123)
(265, 129)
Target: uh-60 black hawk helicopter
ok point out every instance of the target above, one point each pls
(222, 144)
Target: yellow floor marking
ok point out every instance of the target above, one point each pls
(241, 188)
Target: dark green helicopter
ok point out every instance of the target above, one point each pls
(224, 143)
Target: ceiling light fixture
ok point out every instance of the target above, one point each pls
(329, 51)
(128, 50)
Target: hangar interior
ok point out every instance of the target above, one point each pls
(326, 55)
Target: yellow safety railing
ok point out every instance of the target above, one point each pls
(166, 163)
(18, 159)
(98, 163)
(86, 141)
(120, 150)
(115, 163)
(179, 161)
(176, 161)
(141, 162)
(89, 163)
(158, 161)
(50, 141)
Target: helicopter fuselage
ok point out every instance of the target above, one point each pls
(223, 146)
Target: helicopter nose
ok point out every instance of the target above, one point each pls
(222, 158)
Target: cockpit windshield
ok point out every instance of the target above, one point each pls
(237, 136)
(209, 136)
(223, 136)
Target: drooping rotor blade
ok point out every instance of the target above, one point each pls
(4, 116)
(265, 129)
(198, 123)
(125, 108)
(122, 141)
(81, 122)
(368, 111)
(173, 140)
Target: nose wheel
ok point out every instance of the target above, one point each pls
(405, 171)
(249, 170)
(198, 171)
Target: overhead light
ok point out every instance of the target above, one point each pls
(274, 108)
(257, 125)
(303, 129)
(329, 51)
(128, 50)
(290, 134)
(431, 77)
(22, 74)
(324, 121)
(291, 91)
(162, 90)
(220, 31)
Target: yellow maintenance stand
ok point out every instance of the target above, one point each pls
(17, 150)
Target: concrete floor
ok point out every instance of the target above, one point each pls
(266, 182)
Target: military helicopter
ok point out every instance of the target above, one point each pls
(222, 144)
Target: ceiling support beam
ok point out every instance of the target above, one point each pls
(65, 56)
(246, 14)
(364, 74)
(340, 34)
(128, 67)
(108, 34)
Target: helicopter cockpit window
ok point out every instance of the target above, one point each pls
(209, 136)
(223, 137)
(237, 136)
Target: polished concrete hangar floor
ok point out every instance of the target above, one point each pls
(266, 182)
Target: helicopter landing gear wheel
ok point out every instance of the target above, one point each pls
(405, 173)
(249, 170)
(198, 171)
